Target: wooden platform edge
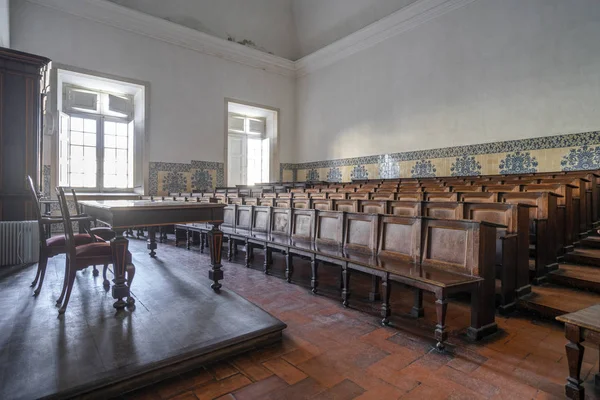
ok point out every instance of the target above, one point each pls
(111, 387)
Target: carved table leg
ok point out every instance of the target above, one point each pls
(417, 310)
(215, 244)
(120, 290)
(345, 286)
(573, 388)
(374, 294)
(314, 279)
(160, 234)
(152, 240)
(385, 305)
(130, 270)
(441, 306)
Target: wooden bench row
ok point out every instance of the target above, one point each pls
(440, 256)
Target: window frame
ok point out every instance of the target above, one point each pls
(100, 119)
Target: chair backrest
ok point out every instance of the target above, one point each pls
(405, 208)
(243, 218)
(68, 227)
(36, 206)
(322, 204)
(261, 219)
(303, 224)
(360, 232)
(443, 209)
(77, 209)
(229, 214)
(441, 196)
(372, 206)
(329, 228)
(400, 237)
(281, 221)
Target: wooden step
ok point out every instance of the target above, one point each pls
(552, 300)
(591, 242)
(584, 256)
(577, 276)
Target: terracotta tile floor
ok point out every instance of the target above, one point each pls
(330, 352)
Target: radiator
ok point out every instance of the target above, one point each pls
(19, 242)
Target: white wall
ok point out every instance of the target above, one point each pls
(187, 88)
(4, 24)
(322, 22)
(490, 71)
(268, 23)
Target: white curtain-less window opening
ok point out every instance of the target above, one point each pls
(248, 144)
(96, 139)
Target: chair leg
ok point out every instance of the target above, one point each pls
(63, 308)
(39, 267)
(346, 289)
(441, 334)
(289, 267)
(314, 281)
(202, 237)
(268, 256)
(385, 305)
(65, 284)
(42, 267)
(229, 249)
(106, 282)
(130, 271)
(95, 272)
(248, 254)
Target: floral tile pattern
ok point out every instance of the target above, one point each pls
(334, 175)
(466, 166)
(46, 173)
(423, 169)
(202, 180)
(174, 182)
(584, 157)
(359, 172)
(518, 163)
(158, 172)
(312, 175)
(388, 167)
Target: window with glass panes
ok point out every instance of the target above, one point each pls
(96, 151)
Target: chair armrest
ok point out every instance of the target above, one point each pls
(51, 220)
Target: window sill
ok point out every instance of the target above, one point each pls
(105, 196)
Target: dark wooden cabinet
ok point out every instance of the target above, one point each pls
(20, 130)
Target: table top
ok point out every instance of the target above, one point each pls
(588, 318)
(130, 205)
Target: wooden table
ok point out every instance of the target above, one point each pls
(580, 326)
(123, 214)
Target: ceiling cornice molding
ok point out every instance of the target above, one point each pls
(117, 16)
(394, 24)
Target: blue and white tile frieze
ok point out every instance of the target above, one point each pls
(423, 169)
(518, 163)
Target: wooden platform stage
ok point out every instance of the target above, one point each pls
(178, 324)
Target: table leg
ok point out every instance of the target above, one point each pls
(573, 388)
(120, 290)
(152, 240)
(215, 245)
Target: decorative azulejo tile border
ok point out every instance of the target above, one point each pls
(182, 177)
(547, 154)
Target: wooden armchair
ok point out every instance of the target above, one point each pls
(82, 256)
(52, 246)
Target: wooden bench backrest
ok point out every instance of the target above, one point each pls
(339, 195)
(404, 208)
(229, 213)
(322, 204)
(261, 219)
(359, 196)
(301, 203)
(410, 196)
(347, 189)
(322, 195)
(297, 190)
(287, 203)
(372, 206)
(400, 237)
(502, 188)
(442, 209)
(266, 201)
(243, 217)
(441, 196)
(478, 197)
(236, 200)
(345, 205)
(329, 190)
(251, 201)
(329, 228)
(303, 224)
(467, 188)
(281, 221)
(383, 196)
(466, 247)
(360, 232)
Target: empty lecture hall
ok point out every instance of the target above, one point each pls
(299, 199)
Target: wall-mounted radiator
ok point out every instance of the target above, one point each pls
(19, 242)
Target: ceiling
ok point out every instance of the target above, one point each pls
(290, 29)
